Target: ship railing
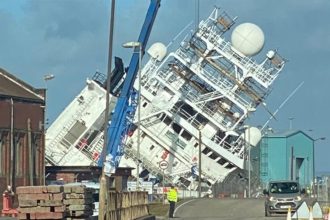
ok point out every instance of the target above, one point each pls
(212, 114)
(223, 85)
(96, 145)
(187, 171)
(254, 69)
(132, 153)
(62, 149)
(67, 126)
(151, 121)
(89, 149)
(216, 115)
(191, 96)
(172, 80)
(263, 76)
(209, 112)
(185, 115)
(150, 67)
(210, 95)
(234, 148)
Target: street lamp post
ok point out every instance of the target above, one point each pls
(248, 148)
(47, 77)
(317, 139)
(199, 163)
(290, 124)
(139, 46)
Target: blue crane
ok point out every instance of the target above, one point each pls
(125, 107)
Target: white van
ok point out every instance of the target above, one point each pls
(282, 195)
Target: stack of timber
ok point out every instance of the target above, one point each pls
(54, 202)
(128, 205)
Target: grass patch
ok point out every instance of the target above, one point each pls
(158, 209)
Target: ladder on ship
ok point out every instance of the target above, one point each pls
(59, 137)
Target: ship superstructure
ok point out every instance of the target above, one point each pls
(198, 96)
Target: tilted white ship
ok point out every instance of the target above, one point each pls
(206, 88)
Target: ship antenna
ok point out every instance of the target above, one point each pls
(197, 14)
(176, 37)
(282, 104)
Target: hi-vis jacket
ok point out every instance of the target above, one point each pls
(172, 195)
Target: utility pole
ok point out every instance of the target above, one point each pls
(249, 170)
(104, 185)
(199, 163)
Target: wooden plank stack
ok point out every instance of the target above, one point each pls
(55, 202)
(127, 205)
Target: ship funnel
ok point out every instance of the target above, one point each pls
(157, 51)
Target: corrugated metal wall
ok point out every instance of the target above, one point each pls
(289, 156)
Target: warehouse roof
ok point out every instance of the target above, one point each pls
(287, 133)
(11, 86)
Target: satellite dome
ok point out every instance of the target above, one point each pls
(157, 51)
(252, 136)
(248, 38)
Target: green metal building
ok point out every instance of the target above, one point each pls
(285, 155)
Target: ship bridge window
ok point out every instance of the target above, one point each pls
(73, 134)
(201, 119)
(206, 150)
(186, 135)
(177, 128)
(176, 142)
(214, 156)
(222, 161)
(187, 108)
(81, 99)
(181, 143)
(167, 120)
(229, 166)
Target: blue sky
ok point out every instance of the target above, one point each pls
(68, 38)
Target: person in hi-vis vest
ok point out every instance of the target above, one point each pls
(172, 197)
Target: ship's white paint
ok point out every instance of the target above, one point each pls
(204, 87)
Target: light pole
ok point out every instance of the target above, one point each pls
(317, 139)
(247, 147)
(290, 125)
(47, 77)
(199, 163)
(138, 45)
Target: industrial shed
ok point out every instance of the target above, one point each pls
(22, 110)
(287, 155)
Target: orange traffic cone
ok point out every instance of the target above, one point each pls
(288, 216)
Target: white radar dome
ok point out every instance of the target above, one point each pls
(157, 51)
(252, 136)
(248, 38)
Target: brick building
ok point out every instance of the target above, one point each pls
(22, 110)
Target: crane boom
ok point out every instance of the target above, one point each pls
(119, 121)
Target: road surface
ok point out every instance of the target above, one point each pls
(225, 209)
